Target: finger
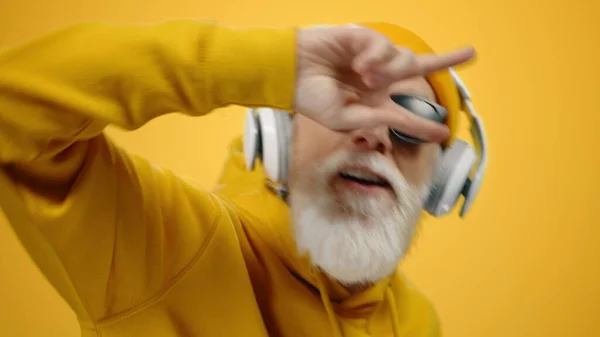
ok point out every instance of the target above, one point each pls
(409, 123)
(403, 65)
(431, 63)
(406, 64)
(361, 116)
(372, 51)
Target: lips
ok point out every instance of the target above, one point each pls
(364, 177)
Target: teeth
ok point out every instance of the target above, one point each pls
(362, 175)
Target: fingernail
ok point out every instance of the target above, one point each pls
(469, 49)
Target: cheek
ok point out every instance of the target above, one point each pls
(417, 166)
(312, 142)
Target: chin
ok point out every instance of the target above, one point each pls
(356, 236)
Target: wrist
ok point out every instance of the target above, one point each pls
(252, 67)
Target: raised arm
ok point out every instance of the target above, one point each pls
(67, 86)
(108, 229)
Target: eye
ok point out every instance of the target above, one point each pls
(403, 147)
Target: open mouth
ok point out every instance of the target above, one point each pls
(363, 178)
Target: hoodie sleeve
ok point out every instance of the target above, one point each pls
(108, 229)
(67, 86)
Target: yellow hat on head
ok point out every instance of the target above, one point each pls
(441, 81)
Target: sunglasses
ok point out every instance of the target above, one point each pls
(423, 108)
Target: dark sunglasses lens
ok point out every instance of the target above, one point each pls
(422, 108)
(404, 137)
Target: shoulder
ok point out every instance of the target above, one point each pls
(418, 311)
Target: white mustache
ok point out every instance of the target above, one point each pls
(369, 160)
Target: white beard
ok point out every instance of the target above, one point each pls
(358, 240)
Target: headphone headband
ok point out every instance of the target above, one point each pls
(479, 141)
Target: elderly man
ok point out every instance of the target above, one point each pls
(138, 251)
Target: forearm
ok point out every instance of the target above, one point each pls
(67, 86)
(75, 203)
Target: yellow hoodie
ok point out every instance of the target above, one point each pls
(136, 250)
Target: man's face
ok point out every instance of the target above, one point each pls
(356, 196)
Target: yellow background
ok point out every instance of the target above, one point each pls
(524, 263)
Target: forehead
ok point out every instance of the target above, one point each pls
(417, 86)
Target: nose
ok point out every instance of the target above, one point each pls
(377, 139)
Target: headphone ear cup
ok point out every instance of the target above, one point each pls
(283, 121)
(252, 139)
(450, 177)
(267, 136)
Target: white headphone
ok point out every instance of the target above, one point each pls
(267, 137)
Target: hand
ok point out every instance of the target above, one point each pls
(344, 74)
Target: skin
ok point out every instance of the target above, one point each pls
(313, 141)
